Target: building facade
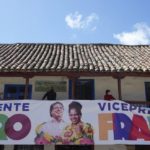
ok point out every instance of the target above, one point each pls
(75, 71)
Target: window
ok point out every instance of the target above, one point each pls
(147, 91)
(16, 91)
(28, 147)
(1, 147)
(74, 147)
(142, 147)
(84, 89)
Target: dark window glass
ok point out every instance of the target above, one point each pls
(142, 147)
(16, 91)
(1, 147)
(147, 91)
(74, 147)
(29, 147)
(84, 89)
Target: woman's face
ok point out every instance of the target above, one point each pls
(74, 116)
(57, 111)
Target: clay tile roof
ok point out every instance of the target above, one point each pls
(74, 57)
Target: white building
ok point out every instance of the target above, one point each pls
(76, 71)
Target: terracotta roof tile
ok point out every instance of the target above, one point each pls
(74, 57)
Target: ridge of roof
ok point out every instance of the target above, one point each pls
(103, 44)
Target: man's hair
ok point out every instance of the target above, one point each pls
(107, 91)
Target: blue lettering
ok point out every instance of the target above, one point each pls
(102, 106)
(25, 107)
(122, 126)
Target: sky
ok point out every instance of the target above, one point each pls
(75, 21)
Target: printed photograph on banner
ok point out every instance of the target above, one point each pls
(59, 131)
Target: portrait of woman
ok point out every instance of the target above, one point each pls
(77, 132)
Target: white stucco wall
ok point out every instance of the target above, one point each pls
(10, 80)
(133, 88)
(39, 95)
(35, 95)
(104, 83)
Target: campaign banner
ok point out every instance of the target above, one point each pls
(75, 122)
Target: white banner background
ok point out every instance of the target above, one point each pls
(39, 113)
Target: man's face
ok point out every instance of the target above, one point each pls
(57, 111)
(74, 116)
